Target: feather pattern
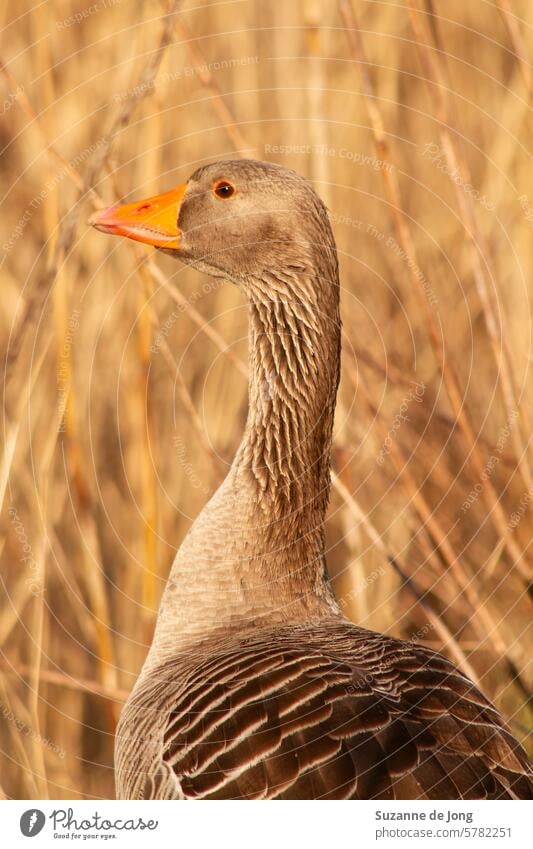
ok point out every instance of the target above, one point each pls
(255, 685)
(328, 711)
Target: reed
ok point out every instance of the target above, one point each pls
(124, 374)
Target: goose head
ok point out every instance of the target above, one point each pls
(245, 220)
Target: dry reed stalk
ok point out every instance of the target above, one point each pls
(219, 104)
(513, 114)
(62, 679)
(145, 84)
(138, 92)
(434, 60)
(12, 427)
(494, 559)
(315, 94)
(148, 593)
(435, 69)
(389, 373)
(405, 240)
(62, 315)
(36, 124)
(147, 440)
(151, 140)
(448, 639)
(146, 81)
(141, 258)
(115, 501)
(73, 586)
(27, 768)
(18, 598)
(11, 433)
(517, 41)
(186, 399)
(36, 650)
(393, 375)
(96, 591)
(93, 577)
(421, 539)
(35, 630)
(146, 323)
(487, 627)
(197, 317)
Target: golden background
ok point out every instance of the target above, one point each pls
(124, 373)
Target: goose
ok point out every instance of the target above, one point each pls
(256, 686)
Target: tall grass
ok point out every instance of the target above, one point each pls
(124, 374)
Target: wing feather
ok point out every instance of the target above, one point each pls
(320, 713)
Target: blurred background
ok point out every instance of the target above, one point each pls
(124, 383)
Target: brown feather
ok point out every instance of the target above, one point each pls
(255, 685)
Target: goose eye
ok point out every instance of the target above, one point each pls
(223, 189)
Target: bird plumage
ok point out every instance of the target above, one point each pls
(317, 711)
(256, 685)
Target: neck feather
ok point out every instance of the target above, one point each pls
(256, 552)
(294, 367)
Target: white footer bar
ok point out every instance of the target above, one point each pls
(286, 825)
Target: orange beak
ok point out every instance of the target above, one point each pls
(153, 221)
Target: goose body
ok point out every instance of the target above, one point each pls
(256, 685)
